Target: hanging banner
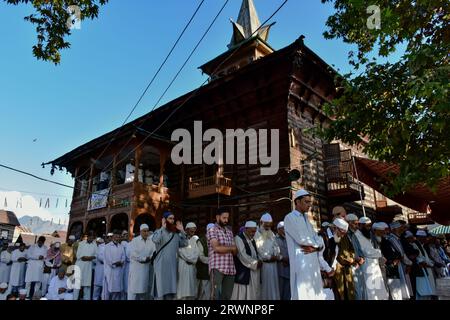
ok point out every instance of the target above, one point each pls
(98, 200)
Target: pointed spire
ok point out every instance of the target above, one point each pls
(247, 24)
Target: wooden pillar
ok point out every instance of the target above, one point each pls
(137, 161)
(76, 185)
(162, 162)
(89, 191)
(113, 180)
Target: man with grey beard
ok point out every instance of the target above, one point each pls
(269, 252)
(283, 264)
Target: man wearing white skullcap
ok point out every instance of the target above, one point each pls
(19, 261)
(86, 254)
(4, 291)
(33, 276)
(343, 261)
(426, 285)
(269, 253)
(23, 294)
(283, 265)
(303, 245)
(99, 271)
(188, 257)
(126, 267)
(354, 234)
(392, 249)
(141, 249)
(58, 289)
(204, 283)
(247, 280)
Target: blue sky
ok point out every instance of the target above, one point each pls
(102, 75)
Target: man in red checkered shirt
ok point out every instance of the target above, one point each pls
(221, 248)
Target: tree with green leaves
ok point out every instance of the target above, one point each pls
(399, 111)
(54, 20)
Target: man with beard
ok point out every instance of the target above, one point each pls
(283, 264)
(187, 273)
(168, 240)
(304, 245)
(221, 248)
(126, 266)
(33, 276)
(204, 283)
(427, 263)
(99, 272)
(86, 254)
(17, 277)
(247, 280)
(397, 230)
(358, 275)
(113, 268)
(269, 253)
(52, 263)
(67, 253)
(374, 282)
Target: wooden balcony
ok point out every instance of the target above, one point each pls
(209, 186)
(344, 190)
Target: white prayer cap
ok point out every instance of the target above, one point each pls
(144, 226)
(72, 237)
(280, 225)
(408, 234)
(3, 285)
(266, 217)
(365, 220)
(209, 226)
(124, 232)
(301, 193)
(251, 224)
(57, 244)
(380, 226)
(17, 244)
(421, 233)
(325, 224)
(110, 234)
(191, 225)
(395, 225)
(341, 224)
(23, 292)
(351, 217)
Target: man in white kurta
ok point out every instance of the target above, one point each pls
(5, 263)
(86, 254)
(34, 274)
(114, 261)
(57, 289)
(204, 283)
(19, 261)
(374, 282)
(187, 272)
(141, 250)
(4, 291)
(126, 266)
(269, 253)
(99, 269)
(247, 262)
(303, 246)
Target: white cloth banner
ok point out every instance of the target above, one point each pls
(98, 200)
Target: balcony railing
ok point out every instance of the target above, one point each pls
(209, 186)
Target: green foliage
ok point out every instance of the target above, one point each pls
(399, 111)
(52, 27)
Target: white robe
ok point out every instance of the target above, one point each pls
(252, 291)
(374, 282)
(306, 281)
(139, 275)
(17, 277)
(113, 274)
(5, 266)
(126, 266)
(55, 284)
(187, 273)
(325, 267)
(86, 249)
(35, 266)
(425, 288)
(4, 295)
(99, 266)
(270, 289)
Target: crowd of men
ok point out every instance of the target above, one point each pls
(349, 258)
